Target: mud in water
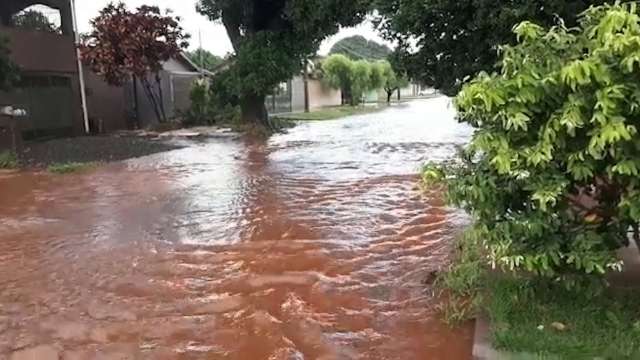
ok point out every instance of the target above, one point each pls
(314, 245)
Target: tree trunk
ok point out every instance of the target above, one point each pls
(153, 98)
(253, 111)
(136, 104)
(161, 97)
(305, 78)
(389, 95)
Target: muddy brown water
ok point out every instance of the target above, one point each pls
(314, 245)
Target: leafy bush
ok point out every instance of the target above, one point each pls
(207, 108)
(551, 174)
(8, 160)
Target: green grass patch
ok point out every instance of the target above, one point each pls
(8, 160)
(70, 167)
(523, 315)
(333, 113)
(540, 316)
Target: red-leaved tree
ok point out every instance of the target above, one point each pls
(133, 45)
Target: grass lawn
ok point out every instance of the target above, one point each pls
(548, 320)
(70, 167)
(333, 113)
(542, 317)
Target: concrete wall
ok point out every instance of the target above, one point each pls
(106, 104)
(41, 51)
(323, 96)
(319, 95)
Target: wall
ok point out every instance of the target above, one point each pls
(323, 96)
(106, 104)
(41, 51)
(45, 55)
(319, 95)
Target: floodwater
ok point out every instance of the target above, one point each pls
(315, 245)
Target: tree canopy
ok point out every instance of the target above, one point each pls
(125, 45)
(443, 43)
(359, 48)
(551, 175)
(34, 20)
(272, 39)
(205, 59)
(355, 78)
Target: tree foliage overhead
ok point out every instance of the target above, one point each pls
(128, 44)
(357, 47)
(272, 39)
(205, 59)
(34, 20)
(552, 173)
(445, 42)
(8, 70)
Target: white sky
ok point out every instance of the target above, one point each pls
(214, 36)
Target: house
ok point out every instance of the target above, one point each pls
(49, 87)
(114, 108)
(296, 96)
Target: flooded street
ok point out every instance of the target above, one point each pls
(314, 245)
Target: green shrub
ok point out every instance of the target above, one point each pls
(207, 108)
(551, 174)
(8, 160)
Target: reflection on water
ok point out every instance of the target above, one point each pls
(312, 246)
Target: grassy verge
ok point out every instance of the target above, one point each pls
(542, 317)
(333, 113)
(70, 167)
(8, 160)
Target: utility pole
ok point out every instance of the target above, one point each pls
(83, 89)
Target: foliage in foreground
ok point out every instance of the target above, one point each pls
(70, 167)
(129, 45)
(551, 175)
(443, 43)
(8, 160)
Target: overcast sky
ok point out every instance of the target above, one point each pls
(214, 36)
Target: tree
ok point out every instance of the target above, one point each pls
(205, 59)
(444, 43)
(337, 73)
(271, 39)
(8, 70)
(126, 45)
(359, 48)
(392, 81)
(551, 175)
(34, 20)
(360, 80)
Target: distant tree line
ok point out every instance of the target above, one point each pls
(356, 78)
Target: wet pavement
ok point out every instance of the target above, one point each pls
(314, 245)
